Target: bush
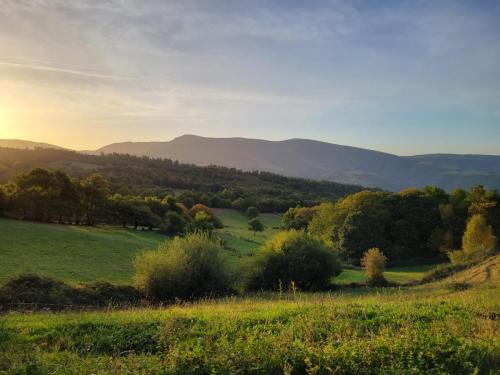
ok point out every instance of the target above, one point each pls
(184, 268)
(252, 212)
(173, 224)
(200, 208)
(373, 262)
(478, 242)
(44, 292)
(255, 225)
(296, 257)
(298, 217)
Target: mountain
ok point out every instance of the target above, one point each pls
(18, 143)
(324, 161)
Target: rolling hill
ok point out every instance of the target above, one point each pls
(315, 160)
(324, 161)
(19, 143)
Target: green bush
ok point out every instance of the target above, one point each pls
(255, 225)
(35, 292)
(174, 224)
(252, 212)
(293, 256)
(184, 268)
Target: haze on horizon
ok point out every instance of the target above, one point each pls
(406, 77)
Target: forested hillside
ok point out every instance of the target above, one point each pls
(212, 185)
(326, 161)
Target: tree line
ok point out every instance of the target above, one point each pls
(426, 223)
(212, 186)
(54, 197)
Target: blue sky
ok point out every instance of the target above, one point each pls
(406, 77)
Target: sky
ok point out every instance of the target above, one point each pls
(406, 77)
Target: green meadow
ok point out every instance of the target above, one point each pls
(82, 254)
(434, 329)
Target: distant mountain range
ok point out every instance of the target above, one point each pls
(324, 161)
(19, 143)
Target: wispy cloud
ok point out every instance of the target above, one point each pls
(268, 68)
(62, 70)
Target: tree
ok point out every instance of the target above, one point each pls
(252, 212)
(478, 235)
(255, 225)
(478, 242)
(202, 222)
(183, 268)
(203, 218)
(298, 217)
(354, 224)
(95, 191)
(293, 256)
(373, 262)
(174, 224)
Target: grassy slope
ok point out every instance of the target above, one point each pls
(424, 330)
(397, 274)
(241, 243)
(70, 253)
(80, 254)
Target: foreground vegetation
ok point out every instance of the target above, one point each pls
(426, 330)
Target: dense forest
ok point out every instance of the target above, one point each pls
(212, 186)
(411, 224)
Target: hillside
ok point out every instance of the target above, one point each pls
(18, 143)
(325, 161)
(316, 160)
(487, 271)
(143, 175)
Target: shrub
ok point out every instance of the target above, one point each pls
(103, 293)
(200, 208)
(478, 242)
(203, 219)
(173, 224)
(298, 217)
(255, 225)
(373, 262)
(44, 292)
(201, 223)
(296, 257)
(37, 290)
(252, 212)
(184, 268)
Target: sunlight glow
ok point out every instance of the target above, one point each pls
(4, 123)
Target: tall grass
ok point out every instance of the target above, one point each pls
(407, 331)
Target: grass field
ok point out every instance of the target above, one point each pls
(401, 275)
(82, 254)
(71, 253)
(427, 330)
(240, 242)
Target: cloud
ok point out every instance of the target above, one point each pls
(288, 66)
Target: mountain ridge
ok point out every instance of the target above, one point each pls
(317, 160)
